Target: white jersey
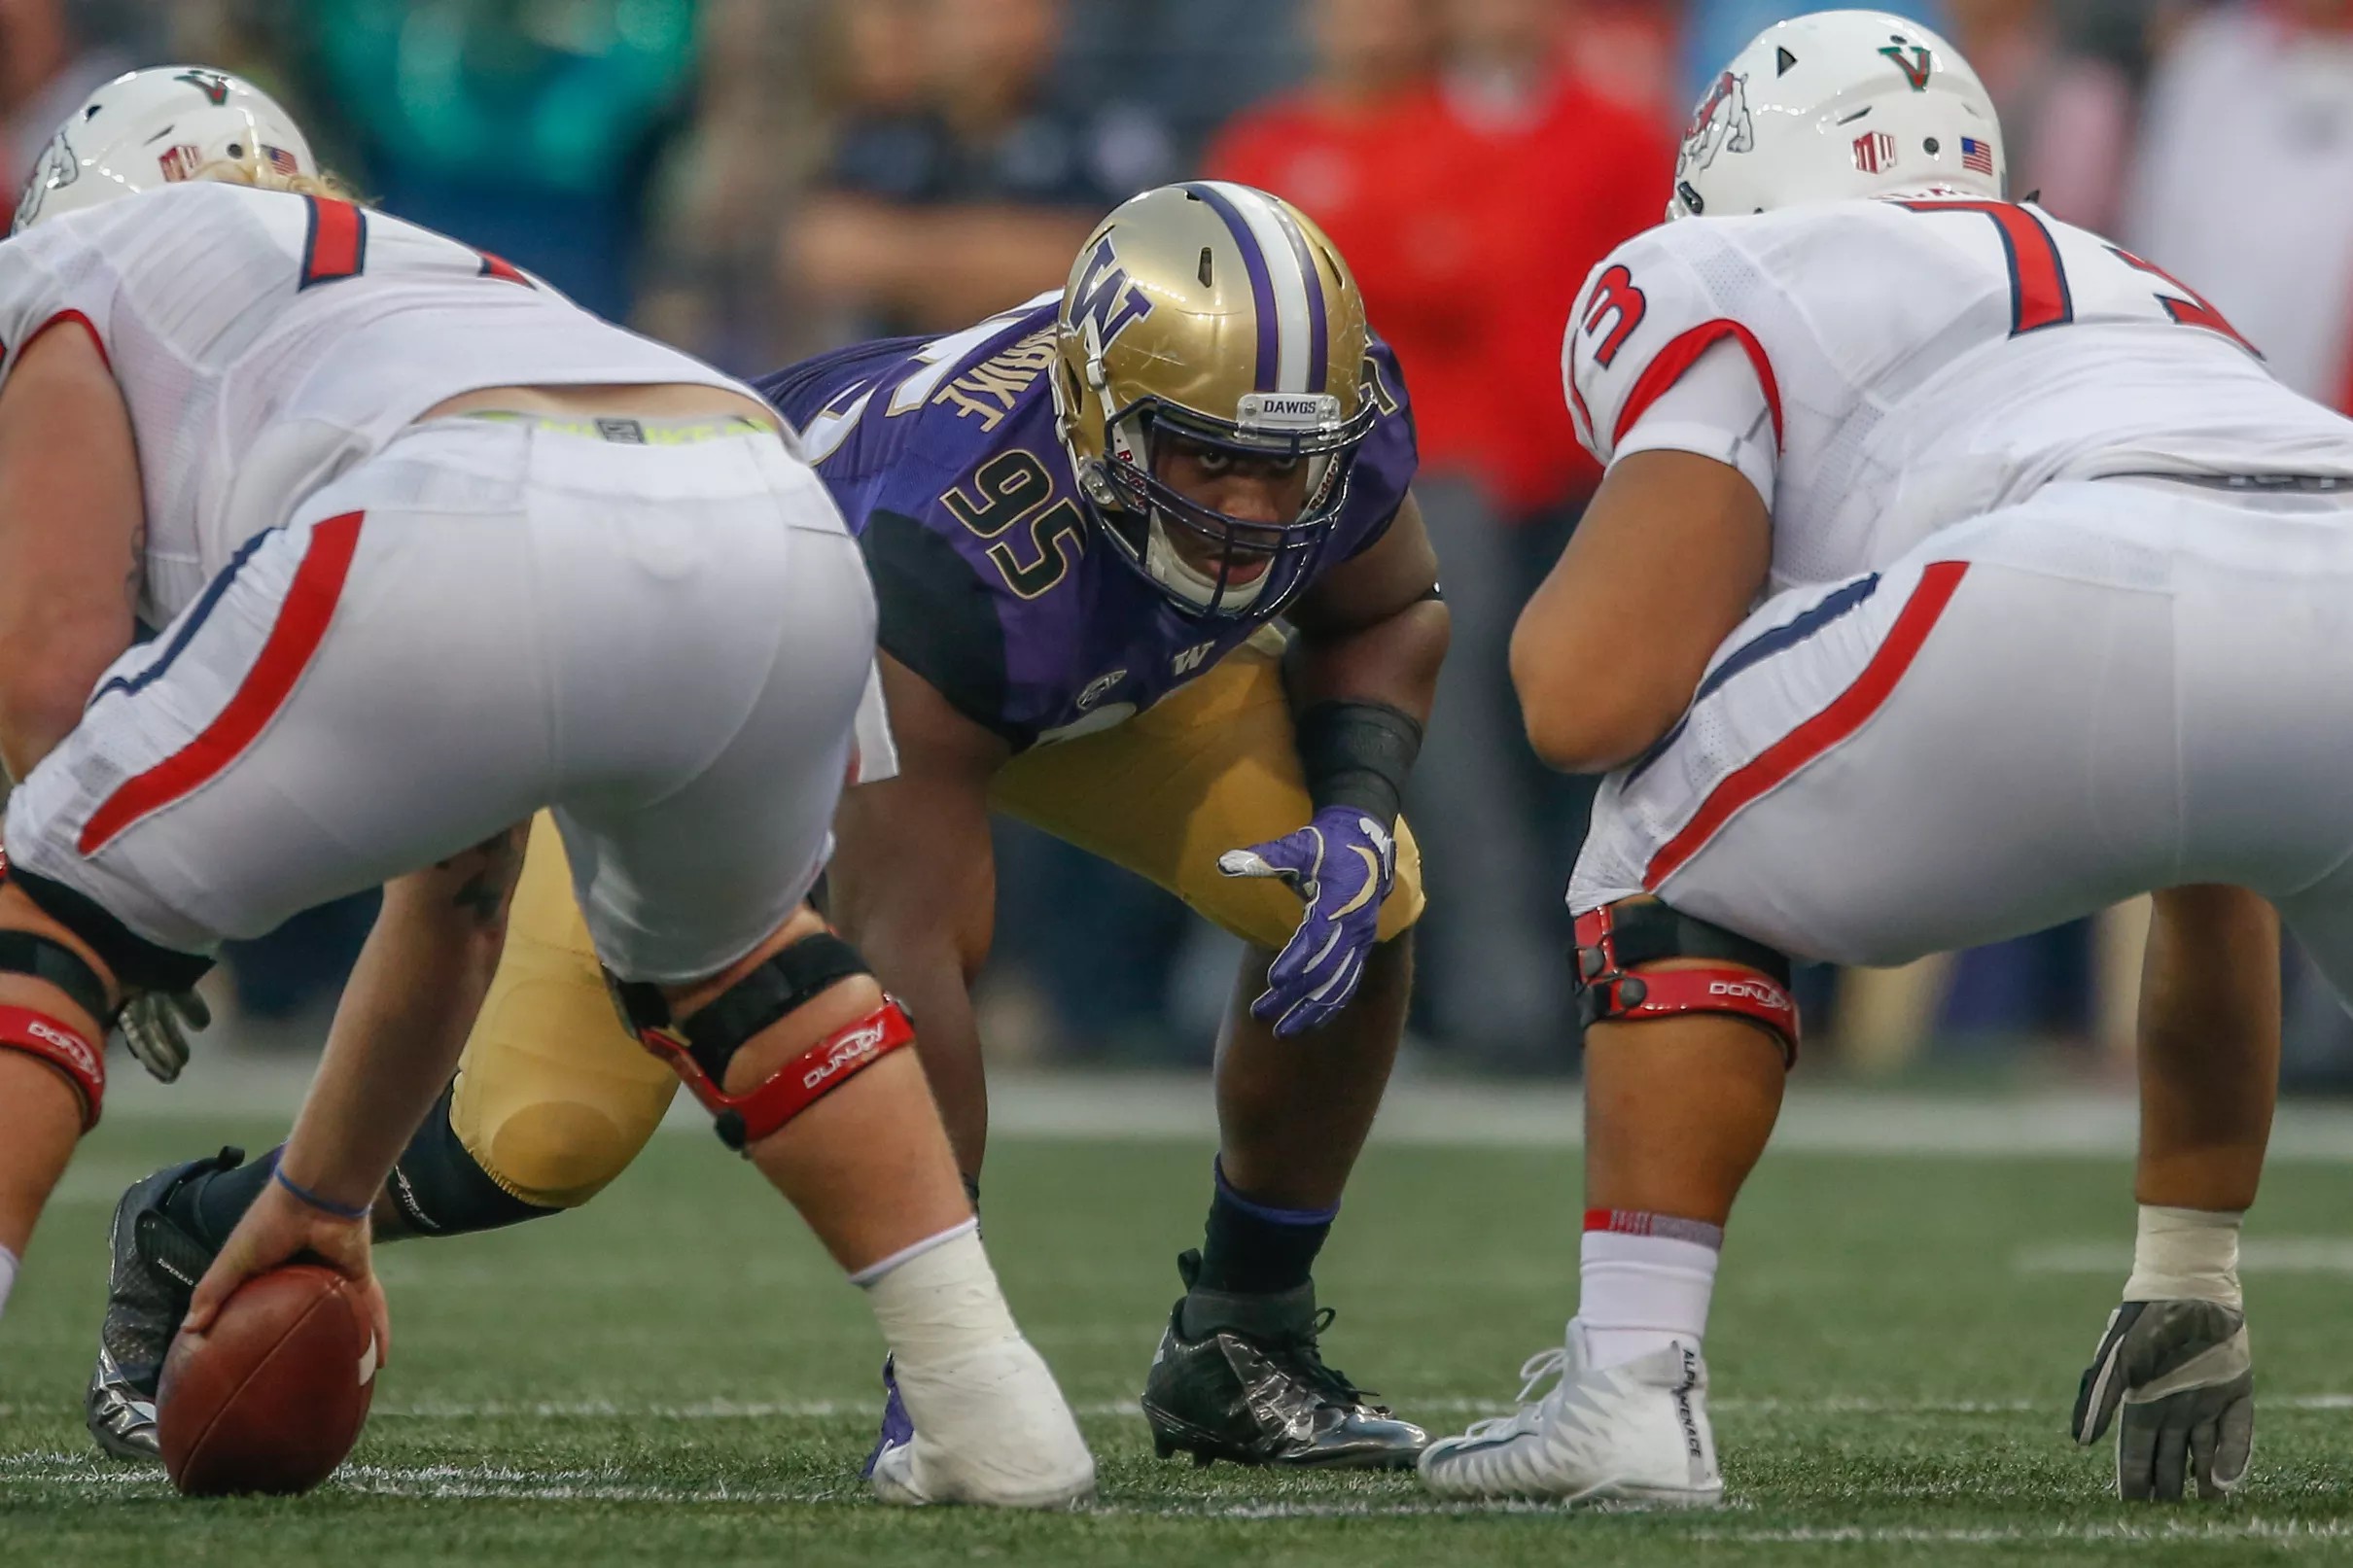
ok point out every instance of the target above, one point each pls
(1881, 369)
(267, 342)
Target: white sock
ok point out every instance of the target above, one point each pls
(939, 1299)
(2185, 1254)
(1640, 1292)
(7, 1278)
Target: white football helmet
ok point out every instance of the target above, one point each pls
(1839, 105)
(155, 127)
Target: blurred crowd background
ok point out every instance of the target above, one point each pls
(757, 180)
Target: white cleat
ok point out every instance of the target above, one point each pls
(991, 1428)
(1636, 1433)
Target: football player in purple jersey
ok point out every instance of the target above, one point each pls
(1150, 578)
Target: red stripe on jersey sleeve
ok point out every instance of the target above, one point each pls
(1667, 367)
(337, 244)
(301, 625)
(79, 320)
(1848, 712)
(498, 267)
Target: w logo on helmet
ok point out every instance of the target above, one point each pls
(1105, 296)
(1720, 124)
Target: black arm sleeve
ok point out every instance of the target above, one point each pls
(1358, 753)
(938, 618)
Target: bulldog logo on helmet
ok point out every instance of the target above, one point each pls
(58, 168)
(1720, 124)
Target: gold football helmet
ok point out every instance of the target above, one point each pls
(1218, 315)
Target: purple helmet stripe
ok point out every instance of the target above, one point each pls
(1262, 284)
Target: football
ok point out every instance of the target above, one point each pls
(274, 1394)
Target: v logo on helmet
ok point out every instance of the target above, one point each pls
(211, 83)
(1915, 69)
(1106, 296)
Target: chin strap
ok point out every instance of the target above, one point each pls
(1746, 979)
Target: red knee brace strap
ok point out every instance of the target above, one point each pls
(63, 1047)
(744, 1119)
(1743, 978)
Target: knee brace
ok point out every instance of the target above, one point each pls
(53, 1040)
(138, 965)
(700, 1048)
(1743, 978)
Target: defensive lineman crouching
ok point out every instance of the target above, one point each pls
(1084, 518)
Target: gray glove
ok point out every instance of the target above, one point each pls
(2182, 1372)
(155, 1025)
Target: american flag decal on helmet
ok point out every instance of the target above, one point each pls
(280, 159)
(1977, 156)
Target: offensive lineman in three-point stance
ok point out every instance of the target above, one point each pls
(2061, 611)
(432, 550)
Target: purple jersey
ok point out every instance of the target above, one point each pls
(993, 584)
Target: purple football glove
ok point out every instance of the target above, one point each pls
(1341, 865)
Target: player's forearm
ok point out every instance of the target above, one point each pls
(927, 976)
(1394, 661)
(402, 1021)
(49, 666)
(2209, 1048)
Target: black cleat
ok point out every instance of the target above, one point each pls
(1253, 1389)
(155, 1267)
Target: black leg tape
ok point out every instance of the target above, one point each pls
(783, 982)
(441, 1189)
(138, 964)
(1645, 933)
(22, 953)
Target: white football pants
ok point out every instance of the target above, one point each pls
(667, 643)
(2116, 686)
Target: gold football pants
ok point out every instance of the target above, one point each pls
(554, 1098)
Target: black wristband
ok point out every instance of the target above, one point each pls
(1358, 753)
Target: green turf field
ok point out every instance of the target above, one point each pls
(676, 1376)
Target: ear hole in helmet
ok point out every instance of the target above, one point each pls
(1931, 146)
(236, 149)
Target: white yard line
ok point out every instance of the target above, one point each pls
(2257, 1254)
(1421, 1111)
(507, 1484)
(820, 1410)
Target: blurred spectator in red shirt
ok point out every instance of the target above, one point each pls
(1470, 200)
(1569, 173)
(977, 196)
(2246, 160)
(1472, 179)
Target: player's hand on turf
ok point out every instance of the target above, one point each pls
(1342, 865)
(2180, 1374)
(155, 1025)
(280, 1228)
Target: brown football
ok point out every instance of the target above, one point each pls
(272, 1397)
